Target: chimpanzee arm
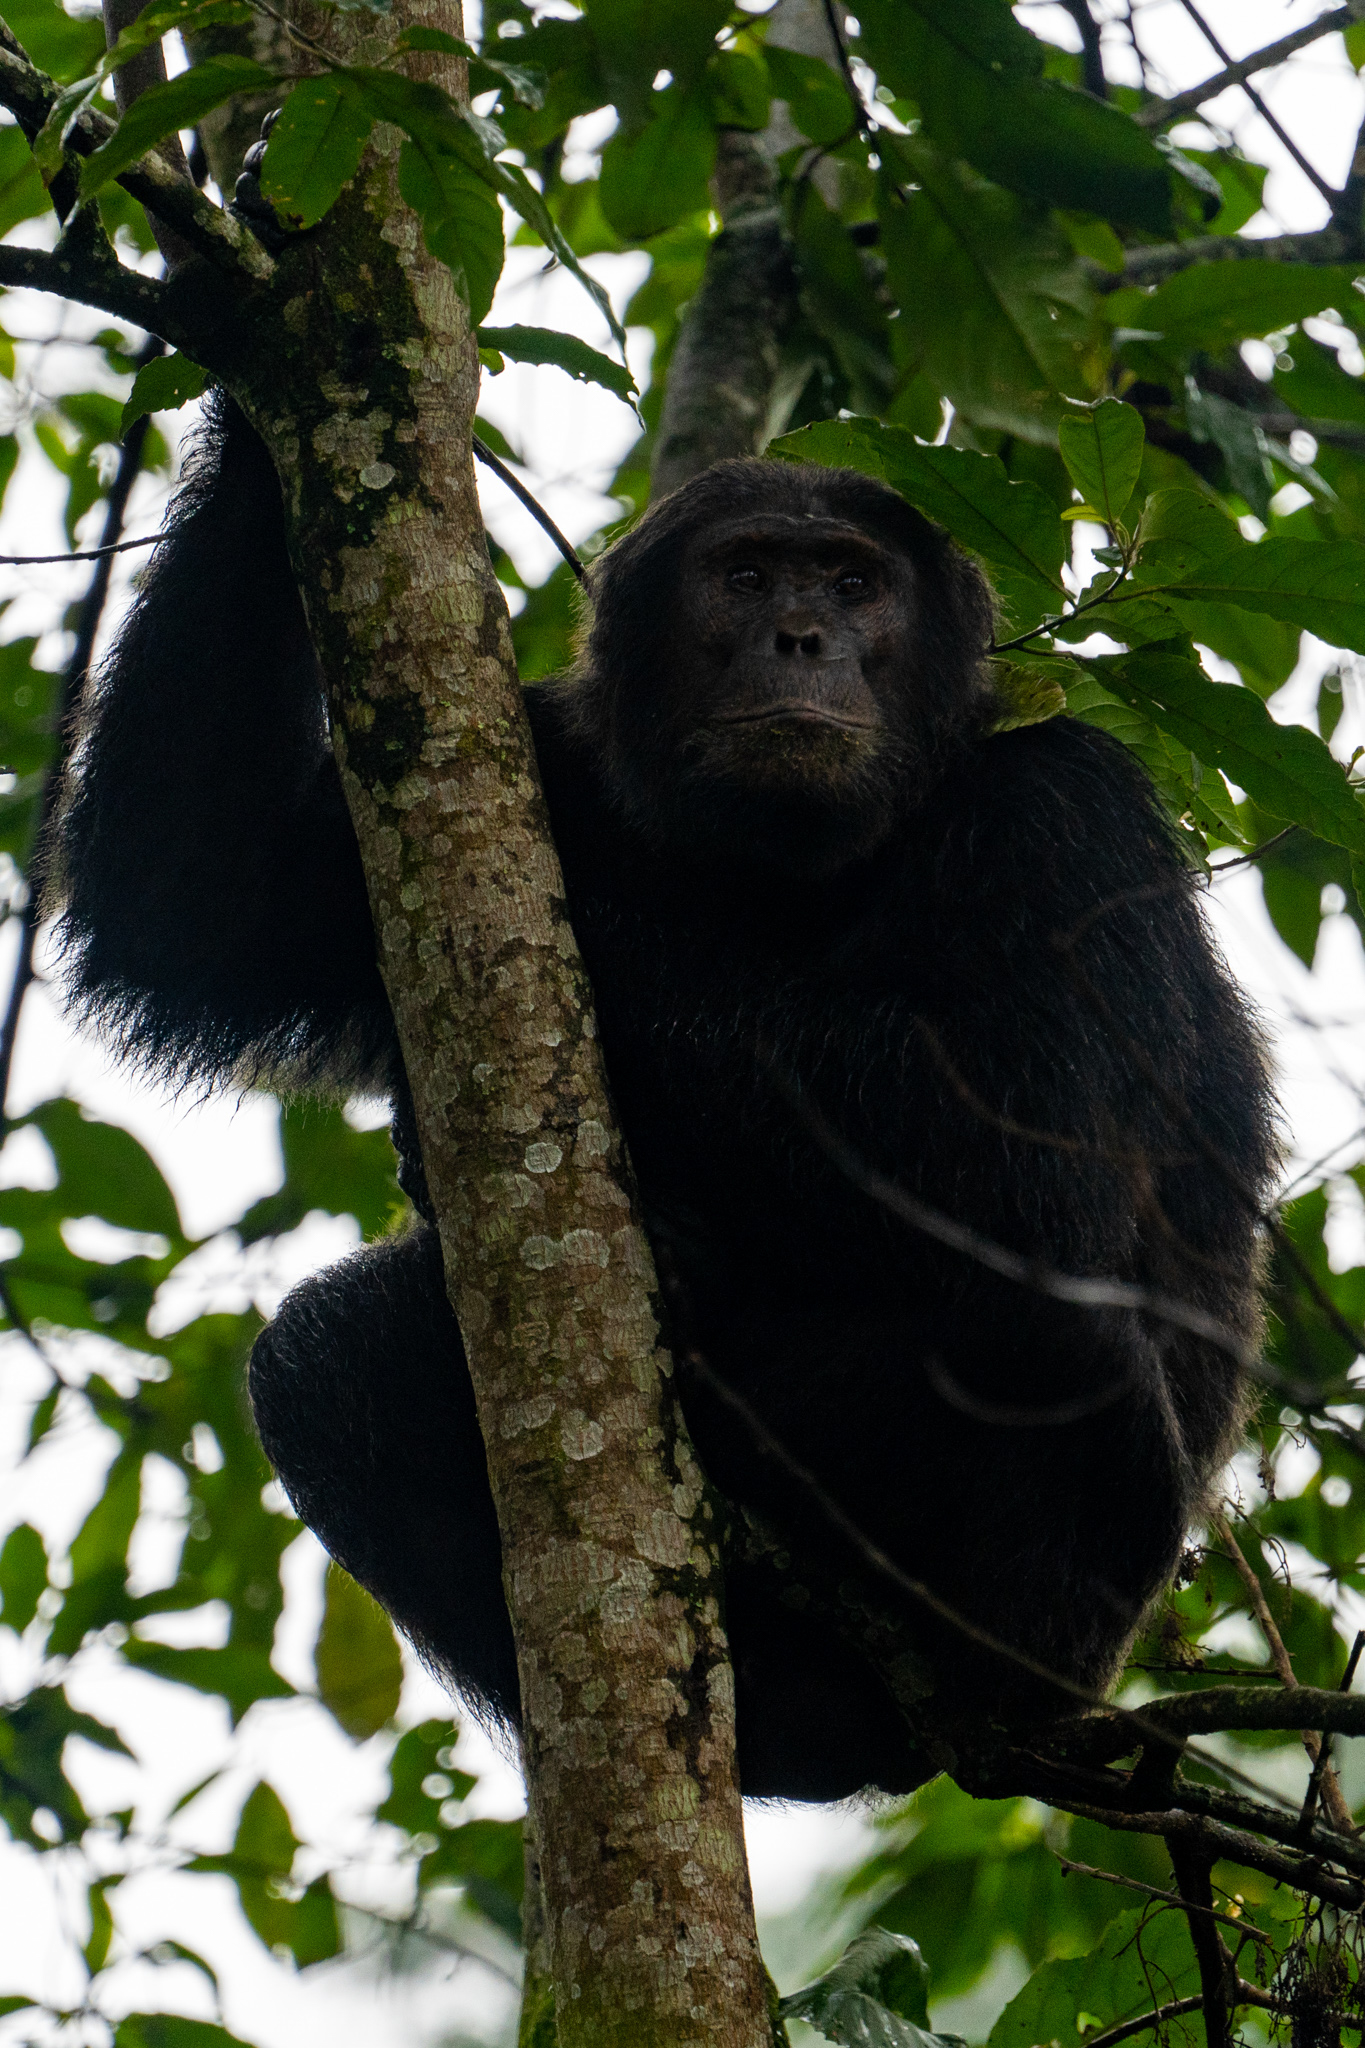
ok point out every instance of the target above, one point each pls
(203, 867)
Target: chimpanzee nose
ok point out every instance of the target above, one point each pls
(802, 643)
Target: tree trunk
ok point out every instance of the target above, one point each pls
(729, 350)
(610, 1551)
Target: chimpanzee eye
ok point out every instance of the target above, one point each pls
(746, 577)
(851, 584)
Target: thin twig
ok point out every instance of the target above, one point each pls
(1323, 1778)
(73, 679)
(537, 511)
(1147, 2022)
(860, 113)
(1329, 192)
(1152, 1891)
(118, 547)
(1240, 69)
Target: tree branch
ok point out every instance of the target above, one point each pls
(208, 230)
(1158, 112)
(1326, 1778)
(1165, 259)
(1275, 126)
(111, 287)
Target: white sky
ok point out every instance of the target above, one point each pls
(222, 1153)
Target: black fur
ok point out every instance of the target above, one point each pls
(887, 961)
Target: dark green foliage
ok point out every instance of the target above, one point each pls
(996, 288)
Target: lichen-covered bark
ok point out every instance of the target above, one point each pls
(610, 1551)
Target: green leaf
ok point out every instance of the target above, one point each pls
(876, 1996)
(187, 17)
(327, 1165)
(359, 1665)
(422, 1779)
(1286, 768)
(104, 1171)
(165, 109)
(1030, 692)
(163, 385)
(976, 75)
(66, 46)
(1211, 305)
(1192, 553)
(23, 1577)
(1011, 526)
(654, 177)
(171, 2030)
(315, 148)
(447, 175)
(1003, 309)
(738, 87)
(565, 351)
(461, 219)
(1102, 449)
(815, 95)
(22, 191)
(1142, 1962)
(636, 39)
(486, 1858)
(260, 1865)
(1174, 773)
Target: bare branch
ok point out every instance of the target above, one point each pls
(1165, 259)
(109, 286)
(1152, 1891)
(1159, 112)
(1314, 176)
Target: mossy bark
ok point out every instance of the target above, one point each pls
(609, 1542)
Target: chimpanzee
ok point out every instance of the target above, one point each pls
(841, 933)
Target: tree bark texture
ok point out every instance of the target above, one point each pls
(610, 1549)
(725, 365)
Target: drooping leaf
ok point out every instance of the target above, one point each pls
(315, 148)
(565, 351)
(164, 385)
(179, 103)
(977, 76)
(461, 220)
(359, 1666)
(1102, 449)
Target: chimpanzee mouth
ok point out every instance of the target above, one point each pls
(797, 711)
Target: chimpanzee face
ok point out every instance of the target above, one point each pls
(794, 651)
(779, 659)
